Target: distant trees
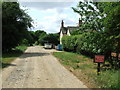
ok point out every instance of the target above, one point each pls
(49, 38)
(40, 37)
(39, 33)
(29, 37)
(15, 23)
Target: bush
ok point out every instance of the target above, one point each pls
(89, 43)
(69, 43)
(24, 42)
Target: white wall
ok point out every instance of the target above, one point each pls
(61, 35)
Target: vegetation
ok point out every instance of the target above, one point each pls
(7, 58)
(40, 37)
(15, 34)
(99, 32)
(15, 23)
(89, 43)
(49, 38)
(108, 78)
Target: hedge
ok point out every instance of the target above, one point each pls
(89, 43)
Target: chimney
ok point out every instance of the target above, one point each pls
(62, 24)
(80, 22)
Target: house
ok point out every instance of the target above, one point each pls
(67, 30)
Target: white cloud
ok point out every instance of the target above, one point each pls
(46, 5)
(48, 17)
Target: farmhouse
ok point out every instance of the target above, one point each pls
(67, 30)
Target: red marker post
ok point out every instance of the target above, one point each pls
(99, 59)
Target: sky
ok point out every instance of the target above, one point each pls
(47, 16)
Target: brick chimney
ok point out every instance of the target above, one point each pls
(62, 24)
(80, 22)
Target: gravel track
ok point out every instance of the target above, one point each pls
(37, 68)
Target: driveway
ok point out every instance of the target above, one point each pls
(37, 68)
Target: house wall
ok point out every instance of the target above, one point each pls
(61, 35)
(68, 32)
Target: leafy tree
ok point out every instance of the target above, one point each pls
(99, 32)
(112, 24)
(50, 38)
(25, 42)
(29, 36)
(38, 33)
(90, 16)
(41, 38)
(76, 32)
(15, 23)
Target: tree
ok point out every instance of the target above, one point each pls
(41, 38)
(112, 24)
(29, 36)
(15, 22)
(103, 23)
(38, 33)
(50, 38)
(90, 16)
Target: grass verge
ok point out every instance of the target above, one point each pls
(7, 58)
(84, 68)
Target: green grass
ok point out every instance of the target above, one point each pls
(7, 58)
(106, 79)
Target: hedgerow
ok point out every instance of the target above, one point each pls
(89, 43)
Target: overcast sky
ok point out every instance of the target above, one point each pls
(47, 16)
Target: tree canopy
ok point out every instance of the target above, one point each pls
(15, 23)
(99, 32)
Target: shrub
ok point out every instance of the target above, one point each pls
(69, 43)
(89, 43)
(24, 42)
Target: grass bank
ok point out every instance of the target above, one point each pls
(84, 68)
(7, 58)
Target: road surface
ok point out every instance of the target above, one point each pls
(37, 68)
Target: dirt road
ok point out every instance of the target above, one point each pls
(37, 68)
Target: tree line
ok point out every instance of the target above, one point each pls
(15, 25)
(99, 32)
(40, 37)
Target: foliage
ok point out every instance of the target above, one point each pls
(89, 43)
(49, 38)
(15, 23)
(112, 24)
(88, 72)
(25, 42)
(41, 38)
(90, 16)
(100, 30)
(69, 43)
(76, 32)
(38, 34)
(7, 58)
(30, 37)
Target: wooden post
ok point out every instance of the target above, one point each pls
(99, 59)
(98, 69)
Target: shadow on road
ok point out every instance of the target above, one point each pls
(32, 54)
(4, 65)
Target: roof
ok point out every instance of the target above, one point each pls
(71, 28)
(64, 30)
